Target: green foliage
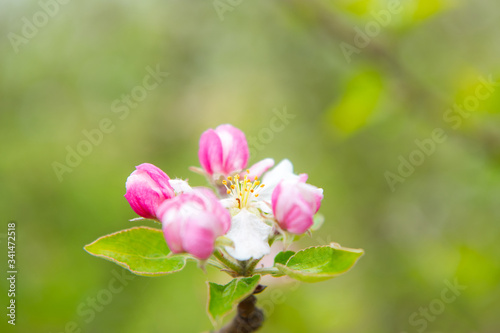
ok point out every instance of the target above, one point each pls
(358, 103)
(224, 298)
(319, 263)
(427, 8)
(282, 257)
(141, 250)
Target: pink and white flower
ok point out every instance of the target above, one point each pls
(249, 213)
(282, 171)
(249, 232)
(223, 151)
(252, 205)
(146, 188)
(192, 221)
(294, 204)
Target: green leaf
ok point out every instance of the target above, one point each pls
(141, 250)
(224, 298)
(320, 263)
(357, 106)
(427, 8)
(282, 257)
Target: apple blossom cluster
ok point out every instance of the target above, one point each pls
(244, 212)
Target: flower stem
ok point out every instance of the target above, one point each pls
(251, 267)
(266, 270)
(215, 263)
(227, 262)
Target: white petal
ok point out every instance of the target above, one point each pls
(179, 186)
(228, 203)
(284, 170)
(259, 168)
(263, 206)
(250, 236)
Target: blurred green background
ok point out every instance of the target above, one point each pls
(357, 114)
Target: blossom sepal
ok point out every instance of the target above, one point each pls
(223, 241)
(319, 263)
(318, 221)
(140, 219)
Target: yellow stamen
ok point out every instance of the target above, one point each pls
(237, 186)
(241, 187)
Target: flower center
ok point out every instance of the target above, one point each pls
(243, 191)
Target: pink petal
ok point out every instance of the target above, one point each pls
(294, 204)
(143, 201)
(146, 188)
(284, 196)
(193, 220)
(234, 147)
(275, 197)
(210, 152)
(303, 177)
(212, 204)
(172, 234)
(198, 235)
(318, 195)
(299, 218)
(258, 169)
(312, 195)
(156, 174)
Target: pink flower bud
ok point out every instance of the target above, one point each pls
(294, 204)
(147, 187)
(192, 221)
(223, 151)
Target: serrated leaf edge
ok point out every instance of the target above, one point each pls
(284, 268)
(274, 263)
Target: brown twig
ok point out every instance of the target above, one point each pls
(249, 318)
